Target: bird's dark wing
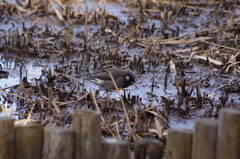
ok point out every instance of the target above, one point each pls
(116, 73)
(120, 82)
(102, 76)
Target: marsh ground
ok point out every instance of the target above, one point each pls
(184, 55)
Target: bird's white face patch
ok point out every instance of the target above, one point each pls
(127, 78)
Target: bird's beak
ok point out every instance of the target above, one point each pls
(135, 85)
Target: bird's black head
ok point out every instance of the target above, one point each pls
(129, 79)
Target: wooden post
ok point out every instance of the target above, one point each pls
(114, 148)
(228, 138)
(7, 138)
(58, 143)
(29, 142)
(87, 132)
(148, 148)
(179, 144)
(205, 139)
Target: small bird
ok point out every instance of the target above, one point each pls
(122, 79)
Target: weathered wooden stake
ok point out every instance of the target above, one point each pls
(29, 142)
(205, 139)
(148, 148)
(228, 138)
(87, 132)
(58, 143)
(114, 148)
(179, 144)
(7, 138)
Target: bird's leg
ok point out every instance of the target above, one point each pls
(107, 96)
(120, 89)
(97, 92)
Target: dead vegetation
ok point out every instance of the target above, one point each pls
(190, 48)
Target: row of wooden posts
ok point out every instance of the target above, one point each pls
(211, 139)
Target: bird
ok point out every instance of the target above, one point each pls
(121, 78)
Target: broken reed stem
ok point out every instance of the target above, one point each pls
(226, 47)
(86, 31)
(28, 99)
(96, 107)
(123, 105)
(40, 90)
(57, 109)
(80, 98)
(85, 37)
(216, 13)
(24, 90)
(29, 115)
(65, 75)
(117, 129)
(70, 36)
(50, 98)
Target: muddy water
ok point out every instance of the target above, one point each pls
(33, 67)
(30, 67)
